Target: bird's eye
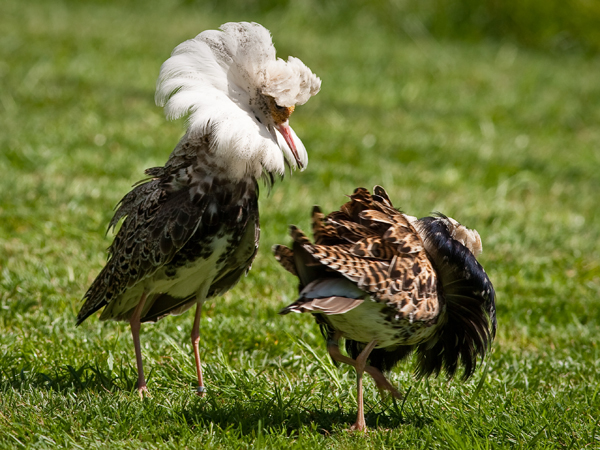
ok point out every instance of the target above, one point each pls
(279, 108)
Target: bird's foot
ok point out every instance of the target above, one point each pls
(143, 392)
(201, 391)
(361, 427)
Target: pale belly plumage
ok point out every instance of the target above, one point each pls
(192, 277)
(187, 280)
(374, 321)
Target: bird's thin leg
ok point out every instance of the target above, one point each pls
(135, 324)
(381, 381)
(200, 390)
(361, 363)
(333, 347)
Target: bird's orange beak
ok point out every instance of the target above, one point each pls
(284, 129)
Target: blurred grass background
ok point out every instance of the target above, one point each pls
(486, 111)
(567, 25)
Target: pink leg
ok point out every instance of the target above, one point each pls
(135, 324)
(195, 341)
(333, 347)
(361, 363)
(380, 380)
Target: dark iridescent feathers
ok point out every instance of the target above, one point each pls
(470, 323)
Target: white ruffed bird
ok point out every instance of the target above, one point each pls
(191, 230)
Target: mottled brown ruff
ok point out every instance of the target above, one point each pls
(392, 285)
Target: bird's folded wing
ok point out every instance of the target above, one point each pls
(328, 305)
(327, 296)
(157, 224)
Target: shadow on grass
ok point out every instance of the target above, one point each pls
(228, 408)
(68, 378)
(293, 414)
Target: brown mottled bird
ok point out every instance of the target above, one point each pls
(191, 230)
(392, 285)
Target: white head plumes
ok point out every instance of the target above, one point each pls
(237, 92)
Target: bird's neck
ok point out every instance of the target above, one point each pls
(199, 155)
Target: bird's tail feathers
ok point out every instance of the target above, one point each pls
(469, 325)
(95, 297)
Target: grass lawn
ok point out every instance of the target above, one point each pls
(501, 138)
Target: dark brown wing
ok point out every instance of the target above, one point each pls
(157, 224)
(285, 257)
(324, 233)
(161, 217)
(370, 243)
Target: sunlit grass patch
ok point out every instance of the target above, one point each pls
(501, 138)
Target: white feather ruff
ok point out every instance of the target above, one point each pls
(218, 77)
(290, 83)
